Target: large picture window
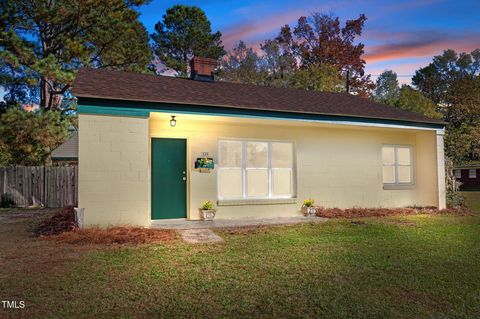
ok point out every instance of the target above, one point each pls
(397, 164)
(255, 169)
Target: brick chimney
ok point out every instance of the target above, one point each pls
(202, 69)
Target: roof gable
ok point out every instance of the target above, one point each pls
(69, 149)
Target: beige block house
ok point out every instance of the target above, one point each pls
(155, 147)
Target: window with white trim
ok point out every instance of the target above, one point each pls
(397, 165)
(472, 173)
(457, 173)
(255, 169)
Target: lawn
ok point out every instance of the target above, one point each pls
(399, 267)
(473, 200)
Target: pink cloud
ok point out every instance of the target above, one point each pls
(248, 30)
(417, 45)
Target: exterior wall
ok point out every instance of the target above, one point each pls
(114, 186)
(338, 166)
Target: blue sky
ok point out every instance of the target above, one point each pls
(398, 35)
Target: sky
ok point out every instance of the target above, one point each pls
(398, 35)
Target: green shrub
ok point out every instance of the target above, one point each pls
(206, 205)
(455, 200)
(308, 202)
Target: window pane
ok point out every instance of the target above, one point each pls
(458, 173)
(282, 155)
(388, 155)
(472, 173)
(257, 182)
(404, 173)
(403, 156)
(389, 174)
(230, 154)
(282, 182)
(257, 155)
(230, 183)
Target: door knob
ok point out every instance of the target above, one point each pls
(184, 178)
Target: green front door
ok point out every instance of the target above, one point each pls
(169, 178)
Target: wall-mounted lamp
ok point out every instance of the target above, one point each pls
(173, 121)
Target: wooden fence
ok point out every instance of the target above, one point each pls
(49, 186)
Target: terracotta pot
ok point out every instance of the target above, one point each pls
(207, 214)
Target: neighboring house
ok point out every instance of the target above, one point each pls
(468, 176)
(142, 139)
(66, 153)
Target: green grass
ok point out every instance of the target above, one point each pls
(399, 267)
(473, 200)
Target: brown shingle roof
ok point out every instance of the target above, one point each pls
(118, 85)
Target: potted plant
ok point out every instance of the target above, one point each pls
(307, 208)
(207, 210)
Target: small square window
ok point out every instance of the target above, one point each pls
(458, 173)
(472, 173)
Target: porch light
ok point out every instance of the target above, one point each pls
(173, 121)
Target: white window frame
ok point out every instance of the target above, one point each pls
(472, 173)
(457, 173)
(396, 165)
(270, 169)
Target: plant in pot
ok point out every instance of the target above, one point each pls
(308, 209)
(207, 210)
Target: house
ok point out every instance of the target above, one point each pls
(155, 147)
(468, 176)
(66, 153)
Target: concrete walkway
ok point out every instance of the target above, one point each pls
(199, 236)
(228, 223)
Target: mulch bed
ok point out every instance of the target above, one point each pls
(61, 227)
(115, 235)
(62, 221)
(384, 212)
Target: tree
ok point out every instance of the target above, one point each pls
(317, 77)
(387, 90)
(277, 62)
(412, 100)
(320, 39)
(463, 129)
(452, 81)
(28, 138)
(436, 79)
(185, 32)
(241, 64)
(45, 42)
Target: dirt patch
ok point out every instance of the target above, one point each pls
(357, 222)
(246, 230)
(384, 212)
(27, 263)
(114, 235)
(406, 223)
